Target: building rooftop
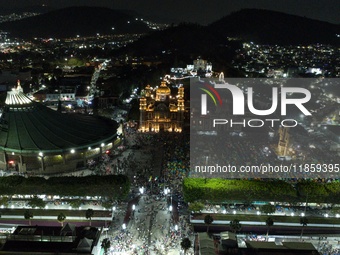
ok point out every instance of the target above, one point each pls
(51, 240)
(30, 127)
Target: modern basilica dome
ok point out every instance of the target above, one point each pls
(37, 139)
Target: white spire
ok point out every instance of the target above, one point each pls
(17, 97)
(221, 77)
(19, 88)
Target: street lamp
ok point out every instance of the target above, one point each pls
(123, 226)
(306, 203)
(170, 196)
(113, 212)
(41, 156)
(170, 208)
(176, 227)
(133, 207)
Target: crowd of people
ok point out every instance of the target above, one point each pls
(153, 161)
(176, 156)
(328, 249)
(151, 229)
(172, 149)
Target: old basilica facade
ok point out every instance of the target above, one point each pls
(160, 110)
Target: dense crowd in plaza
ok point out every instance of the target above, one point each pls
(234, 150)
(151, 229)
(146, 231)
(151, 225)
(255, 149)
(176, 157)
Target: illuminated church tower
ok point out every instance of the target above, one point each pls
(160, 111)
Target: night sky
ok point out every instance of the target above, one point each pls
(200, 11)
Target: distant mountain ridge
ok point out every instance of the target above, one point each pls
(272, 27)
(259, 26)
(72, 21)
(219, 39)
(36, 8)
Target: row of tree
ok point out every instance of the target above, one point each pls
(113, 187)
(197, 207)
(235, 225)
(246, 191)
(28, 215)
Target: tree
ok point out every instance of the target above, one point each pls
(107, 205)
(208, 219)
(106, 245)
(196, 206)
(267, 209)
(59, 109)
(304, 223)
(235, 225)
(310, 191)
(89, 214)
(28, 216)
(185, 244)
(105, 186)
(36, 202)
(335, 210)
(75, 203)
(269, 223)
(4, 201)
(61, 218)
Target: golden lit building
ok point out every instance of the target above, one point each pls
(161, 111)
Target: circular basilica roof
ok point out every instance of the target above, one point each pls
(30, 127)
